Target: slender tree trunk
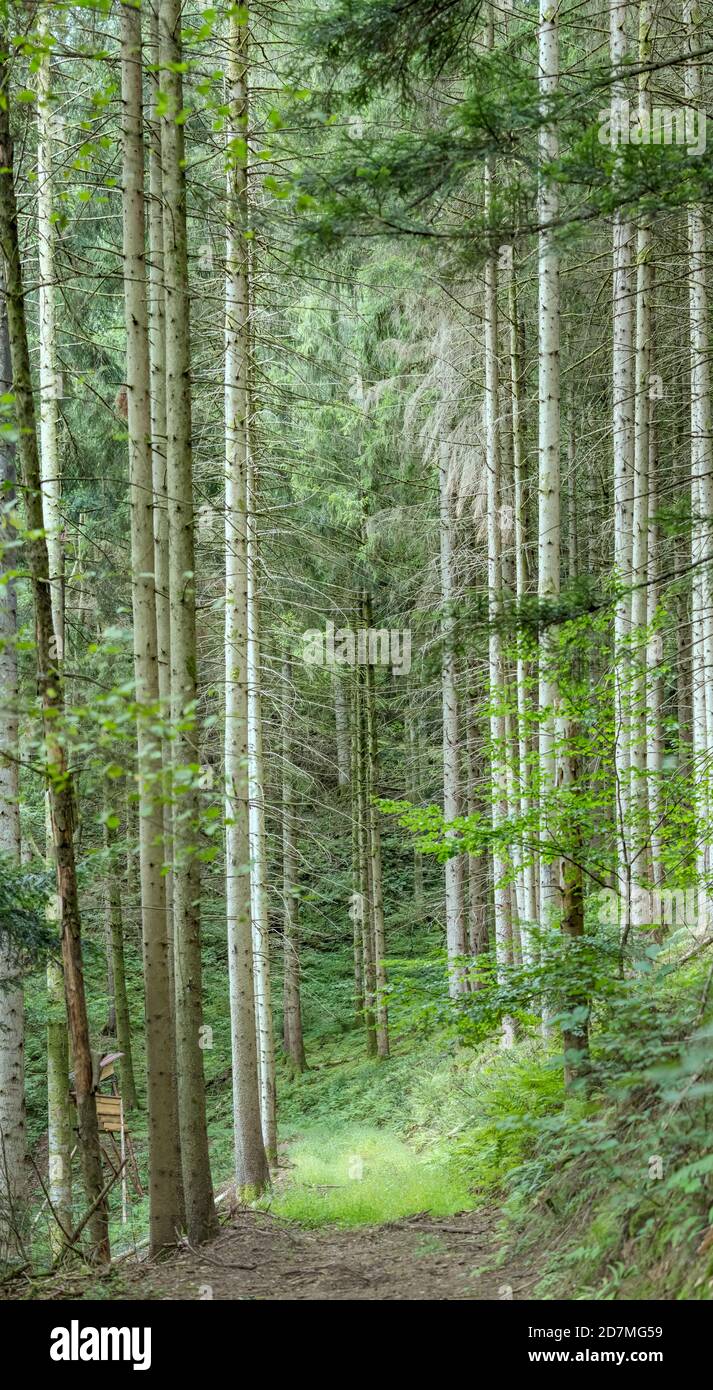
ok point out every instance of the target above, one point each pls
(623, 398)
(655, 701)
(48, 376)
(367, 939)
(164, 1153)
(157, 354)
(115, 932)
(59, 1117)
(549, 454)
(12, 1022)
(681, 561)
(415, 797)
(701, 417)
(575, 1035)
(509, 583)
(497, 693)
(572, 504)
(197, 1182)
(512, 769)
(455, 908)
(477, 863)
(49, 682)
(293, 1040)
(356, 906)
(110, 1025)
(522, 581)
(341, 724)
(638, 797)
(376, 874)
(251, 1167)
(258, 850)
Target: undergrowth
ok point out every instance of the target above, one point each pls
(607, 1190)
(360, 1176)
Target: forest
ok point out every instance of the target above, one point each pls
(356, 650)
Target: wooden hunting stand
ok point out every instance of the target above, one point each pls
(111, 1120)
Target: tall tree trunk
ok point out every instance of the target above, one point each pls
(701, 418)
(376, 873)
(115, 925)
(341, 725)
(12, 1022)
(164, 1152)
(477, 863)
(497, 694)
(455, 908)
(367, 921)
(49, 682)
(258, 848)
(197, 1182)
(59, 1117)
(251, 1167)
(356, 906)
(157, 354)
(655, 697)
(522, 581)
(638, 797)
(575, 1032)
(48, 375)
(681, 564)
(623, 397)
(509, 584)
(294, 1042)
(414, 743)
(549, 453)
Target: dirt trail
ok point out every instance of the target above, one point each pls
(256, 1257)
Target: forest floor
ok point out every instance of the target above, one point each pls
(450, 1172)
(256, 1256)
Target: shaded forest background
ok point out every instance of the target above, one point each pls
(381, 317)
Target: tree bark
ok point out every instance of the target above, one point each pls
(623, 396)
(376, 874)
(12, 1022)
(197, 1182)
(497, 694)
(157, 354)
(49, 681)
(115, 934)
(522, 582)
(341, 725)
(701, 418)
(59, 1117)
(455, 908)
(549, 455)
(164, 1154)
(356, 906)
(292, 1011)
(575, 1036)
(258, 849)
(414, 742)
(251, 1167)
(638, 795)
(367, 934)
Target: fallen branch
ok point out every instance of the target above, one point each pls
(211, 1260)
(48, 1199)
(72, 1240)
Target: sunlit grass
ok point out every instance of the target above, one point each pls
(361, 1176)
